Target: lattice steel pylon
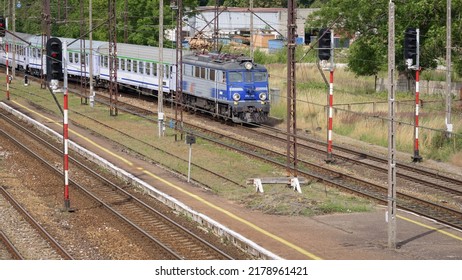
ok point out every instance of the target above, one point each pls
(291, 91)
(179, 70)
(83, 61)
(113, 110)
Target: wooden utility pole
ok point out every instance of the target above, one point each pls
(391, 210)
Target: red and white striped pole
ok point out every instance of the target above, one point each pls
(331, 111)
(416, 157)
(67, 202)
(66, 156)
(7, 75)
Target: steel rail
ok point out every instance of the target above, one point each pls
(42, 231)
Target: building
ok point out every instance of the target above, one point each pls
(268, 23)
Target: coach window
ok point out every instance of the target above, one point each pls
(71, 58)
(122, 64)
(203, 72)
(129, 65)
(86, 59)
(188, 70)
(76, 57)
(148, 68)
(106, 61)
(135, 66)
(141, 67)
(212, 74)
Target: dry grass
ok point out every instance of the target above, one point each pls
(282, 201)
(365, 122)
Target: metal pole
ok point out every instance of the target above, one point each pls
(67, 202)
(417, 157)
(13, 29)
(391, 209)
(330, 101)
(83, 66)
(160, 72)
(448, 69)
(291, 92)
(189, 163)
(90, 57)
(330, 121)
(7, 74)
(126, 21)
(251, 30)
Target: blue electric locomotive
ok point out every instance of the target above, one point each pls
(228, 86)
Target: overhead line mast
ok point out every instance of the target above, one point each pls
(291, 92)
(113, 110)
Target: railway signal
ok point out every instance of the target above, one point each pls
(411, 55)
(411, 47)
(2, 26)
(54, 59)
(324, 44)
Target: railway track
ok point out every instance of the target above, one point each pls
(37, 237)
(8, 250)
(436, 184)
(169, 239)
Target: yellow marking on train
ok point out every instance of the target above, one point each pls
(275, 237)
(76, 133)
(430, 227)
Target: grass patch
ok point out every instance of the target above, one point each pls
(173, 154)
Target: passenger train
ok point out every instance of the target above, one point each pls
(230, 86)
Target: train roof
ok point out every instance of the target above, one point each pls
(139, 52)
(221, 61)
(36, 41)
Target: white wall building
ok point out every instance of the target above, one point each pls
(234, 20)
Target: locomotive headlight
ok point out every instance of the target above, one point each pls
(248, 65)
(236, 96)
(262, 96)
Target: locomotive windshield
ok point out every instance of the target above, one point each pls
(248, 77)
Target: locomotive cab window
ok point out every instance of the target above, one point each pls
(248, 77)
(260, 76)
(235, 77)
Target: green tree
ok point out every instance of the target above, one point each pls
(367, 23)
